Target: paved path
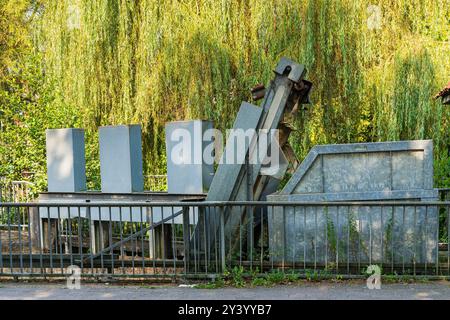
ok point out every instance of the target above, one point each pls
(302, 291)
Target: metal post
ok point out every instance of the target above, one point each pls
(222, 239)
(34, 229)
(186, 238)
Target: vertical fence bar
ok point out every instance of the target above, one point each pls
(8, 213)
(240, 236)
(337, 239)
(209, 237)
(80, 238)
(49, 237)
(272, 249)
(222, 238)
(1, 244)
(133, 244)
(69, 228)
(392, 240)
(382, 235)
(304, 238)
(283, 229)
(19, 227)
(294, 209)
(205, 244)
(262, 240)
(163, 242)
(58, 236)
(447, 209)
(101, 242)
(142, 240)
(437, 239)
(327, 216)
(250, 240)
(186, 238)
(91, 239)
(110, 236)
(174, 257)
(152, 240)
(315, 238)
(415, 241)
(121, 251)
(348, 239)
(359, 239)
(426, 239)
(370, 237)
(216, 241)
(403, 239)
(30, 245)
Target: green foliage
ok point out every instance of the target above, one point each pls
(276, 277)
(218, 282)
(259, 282)
(236, 276)
(121, 61)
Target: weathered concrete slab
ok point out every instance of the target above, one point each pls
(187, 170)
(134, 214)
(227, 173)
(65, 160)
(117, 213)
(380, 166)
(365, 234)
(386, 171)
(121, 159)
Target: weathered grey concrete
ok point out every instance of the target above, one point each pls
(367, 234)
(359, 167)
(227, 173)
(121, 159)
(65, 160)
(305, 291)
(226, 178)
(111, 199)
(188, 171)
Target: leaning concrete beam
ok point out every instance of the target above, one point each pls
(65, 160)
(121, 159)
(227, 173)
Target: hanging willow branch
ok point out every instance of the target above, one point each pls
(148, 62)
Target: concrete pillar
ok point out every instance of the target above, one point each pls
(188, 172)
(66, 172)
(121, 159)
(65, 160)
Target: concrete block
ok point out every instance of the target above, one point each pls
(385, 171)
(121, 159)
(187, 170)
(65, 160)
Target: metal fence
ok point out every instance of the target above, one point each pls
(15, 191)
(203, 239)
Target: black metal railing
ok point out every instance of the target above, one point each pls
(203, 239)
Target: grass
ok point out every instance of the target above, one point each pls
(239, 278)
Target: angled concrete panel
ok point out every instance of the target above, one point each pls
(227, 173)
(380, 166)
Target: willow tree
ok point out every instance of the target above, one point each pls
(375, 65)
